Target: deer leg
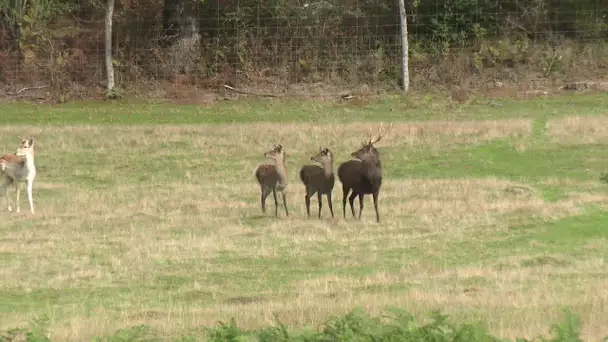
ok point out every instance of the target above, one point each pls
(265, 193)
(18, 190)
(344, 194)
(351, 200)
(307, 201)
(331, 209)
(276, 203)
(360, 204)
(320, 199)
(375, 195)
(4, 187)
(30, 198)
(285, 202)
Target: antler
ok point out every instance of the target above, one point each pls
(368, 138)
(381, 133)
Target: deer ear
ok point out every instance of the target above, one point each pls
(31, 141)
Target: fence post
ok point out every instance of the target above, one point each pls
(405, 74)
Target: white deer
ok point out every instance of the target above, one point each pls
(19, 168)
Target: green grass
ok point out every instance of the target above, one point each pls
(148, 219)
(392, 107)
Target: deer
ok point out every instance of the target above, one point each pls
(362, 175)
(19, 168)
(273, 178)
(319, 179)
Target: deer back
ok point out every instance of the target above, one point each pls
(267, 174)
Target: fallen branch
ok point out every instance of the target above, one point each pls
(247, 92)
(21, 96)
(31, 88)
(18, 94)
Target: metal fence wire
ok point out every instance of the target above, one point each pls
(277, 44)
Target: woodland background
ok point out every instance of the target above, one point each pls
(186, 49)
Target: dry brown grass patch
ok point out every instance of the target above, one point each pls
(432, 133)
(227, 140)
(445, 203)
(579, 130)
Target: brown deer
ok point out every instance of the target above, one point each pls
(319, 179)
(273, 178)
(362, 175)
(19, 168)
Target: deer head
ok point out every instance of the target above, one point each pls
(367, 149)
(323, 157)
(277, 153)
(25, 146)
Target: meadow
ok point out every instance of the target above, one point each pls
(148, 215)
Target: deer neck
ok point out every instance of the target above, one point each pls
(281, 171)
(29, 161)
(372, 167)
(328, 168)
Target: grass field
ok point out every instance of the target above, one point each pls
(148, 214)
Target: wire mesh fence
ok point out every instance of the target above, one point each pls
(278, 45)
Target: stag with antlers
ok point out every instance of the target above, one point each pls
(363, 175)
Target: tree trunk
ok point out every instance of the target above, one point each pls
(405, 65)
(108, 45)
